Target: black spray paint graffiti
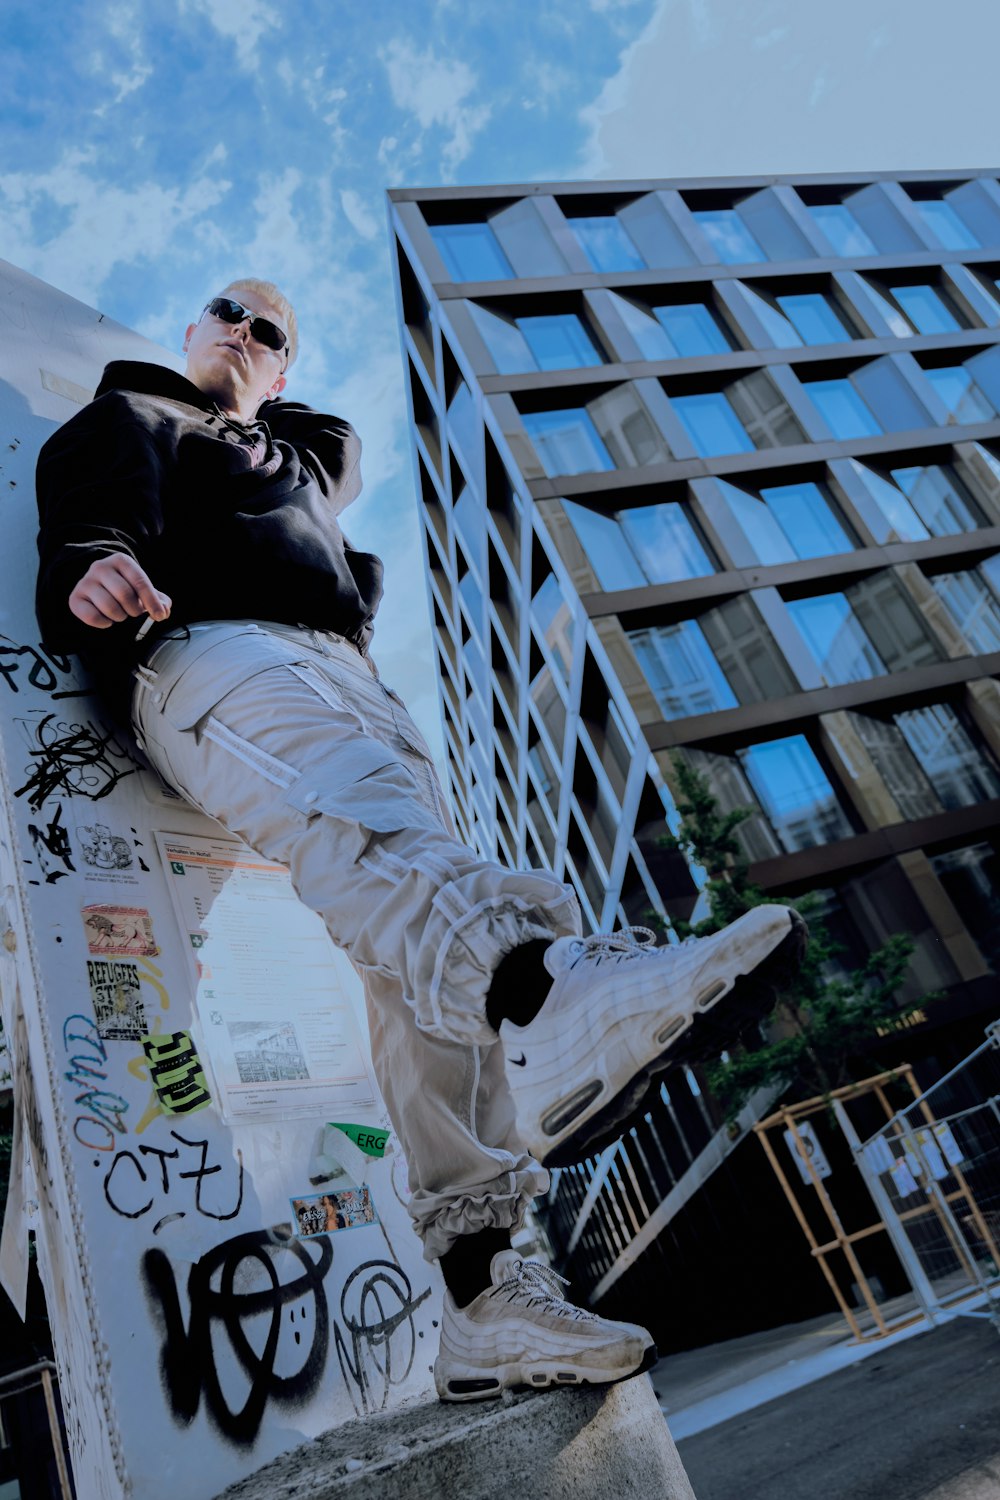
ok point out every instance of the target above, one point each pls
(379, 1340)
(43, 667)
(51, 843)
(72, 760)
(129, 1192)
(102, 1111)
(222, 1303)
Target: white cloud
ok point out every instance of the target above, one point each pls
(821, 86)
(358, 214)
(434, 90)
(120, 61)
(104, 225)
(770, 38)
(684, 101)
(243, 22)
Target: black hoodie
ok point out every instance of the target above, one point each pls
(232, 522)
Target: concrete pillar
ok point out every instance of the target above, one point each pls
(204, 1317)
(587, 1444)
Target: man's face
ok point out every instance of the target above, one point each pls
(226, 362)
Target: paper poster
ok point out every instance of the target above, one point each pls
(117, 999)
(949, 1147)
(878, 1155)
(931, 1153)
(279, 1029)
(814, 1151)
(903, 1179)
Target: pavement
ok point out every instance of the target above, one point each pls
(806, 1411)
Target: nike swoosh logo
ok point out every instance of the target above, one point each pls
(519, 1062)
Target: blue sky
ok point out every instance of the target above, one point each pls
(155, 148)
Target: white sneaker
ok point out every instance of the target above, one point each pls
(621, 1010)
(522, 1331)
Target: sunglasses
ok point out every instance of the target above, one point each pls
(262, 329)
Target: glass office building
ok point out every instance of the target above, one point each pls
(711, 469)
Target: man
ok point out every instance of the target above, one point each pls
(191, 553)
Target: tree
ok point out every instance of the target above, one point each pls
(821, 1032)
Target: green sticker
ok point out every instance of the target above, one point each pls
(176, 1073)
(371, 1138)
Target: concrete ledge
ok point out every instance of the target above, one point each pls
(584, 1444)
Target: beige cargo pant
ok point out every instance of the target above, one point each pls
(288, 738)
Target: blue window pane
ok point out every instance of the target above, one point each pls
(648, 544)
(937, 498)
(666, 543)
(681, 670)
(780, 332)
(729, 236)
(842, 229)
(960, 775)
(960, 394)
(505, 341)
(794, 792)
(762, 531)
(465, 424)
(567, 442)
(608, 552)
(471, 252)
(559, 341)
(556, 621)
(926, 309)
(692, 329)
(842, 409)
(650, 337)
(804, 515)
(973, 607)
(899, 521)
(472, 595)
(712, 424)
(815, 318)
(608, 245)
(841, 648)
(951, 231)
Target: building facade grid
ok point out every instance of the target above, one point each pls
(711, 469)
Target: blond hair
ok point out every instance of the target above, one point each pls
(278, 301)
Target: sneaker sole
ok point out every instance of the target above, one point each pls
(720, 1013)
(486, 1385)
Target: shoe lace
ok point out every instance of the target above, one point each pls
(534, 1285)
(622, 944)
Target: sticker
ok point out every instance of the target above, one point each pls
(325, 1213)
(101, 849)
(117, 1000)
(371, 1138)
(120, 929)
(176, 1073)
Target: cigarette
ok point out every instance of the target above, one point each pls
(145, 628)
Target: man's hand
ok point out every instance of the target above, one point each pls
(112, 589)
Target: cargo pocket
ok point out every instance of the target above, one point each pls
(368, 788)
(218, 669)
